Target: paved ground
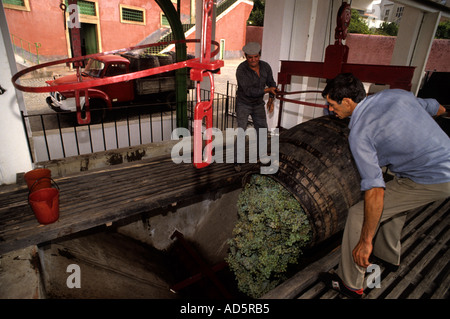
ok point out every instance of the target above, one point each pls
(227, 73)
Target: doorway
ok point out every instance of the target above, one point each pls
(88, 39)
(88, 35)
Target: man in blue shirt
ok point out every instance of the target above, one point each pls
(392, 129)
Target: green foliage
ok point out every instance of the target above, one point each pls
(443, 30)
(357, 24)
(270, 232)
(256, 17)
(387, 28)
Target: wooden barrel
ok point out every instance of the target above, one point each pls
(317, 167)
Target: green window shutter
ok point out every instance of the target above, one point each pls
(164, 20)
(132, 15)
(15, 2)
(85, 7)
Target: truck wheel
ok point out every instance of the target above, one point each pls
(171, 101)
(98, 110)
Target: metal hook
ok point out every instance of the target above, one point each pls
(203, 110)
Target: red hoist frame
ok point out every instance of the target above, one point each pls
(200, 67)
(336, 62)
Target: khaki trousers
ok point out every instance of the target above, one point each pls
(401, 195)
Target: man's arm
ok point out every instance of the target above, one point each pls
(373, 208)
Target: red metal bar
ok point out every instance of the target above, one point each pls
(394, 75)
(281, 94)
(192, 63)
(203, 110)
(205, 45)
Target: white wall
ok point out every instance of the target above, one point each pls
(298, 30)
(102, 139)
(14, 154)
(414, 41)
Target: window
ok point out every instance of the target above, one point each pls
(22, 5)
(116, 69)
(164, 21)
(85, 7)
(134, 15)
(94, 68)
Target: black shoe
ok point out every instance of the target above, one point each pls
(333, 281)
(387, 265)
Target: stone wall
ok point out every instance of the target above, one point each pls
(375, 49)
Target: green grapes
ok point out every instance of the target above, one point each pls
(268, 236)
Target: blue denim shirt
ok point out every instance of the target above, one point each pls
(394, 128)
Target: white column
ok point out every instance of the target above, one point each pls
(14, 154)
(297, 30)
(414, 41)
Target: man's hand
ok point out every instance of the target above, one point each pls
(442, 111)
(361, 254)
(373, 208)
(270, 105)
(271, 90)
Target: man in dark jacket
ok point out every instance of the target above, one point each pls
(255, 79)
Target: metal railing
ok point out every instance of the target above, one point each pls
(57, 135)
(224, 5)
(26, 49)
(188, 24)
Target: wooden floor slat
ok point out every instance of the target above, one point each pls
(97, 197)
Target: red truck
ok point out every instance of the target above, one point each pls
(158, 88)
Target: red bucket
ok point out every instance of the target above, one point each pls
(45, 204)
(38, 178)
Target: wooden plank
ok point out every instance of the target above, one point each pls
(330, 294)
(97, 197)
(438, 207)
(300, 281)
(414, 273)
(428, 280)
(312, 292)
(404, 267)
(443, 290)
